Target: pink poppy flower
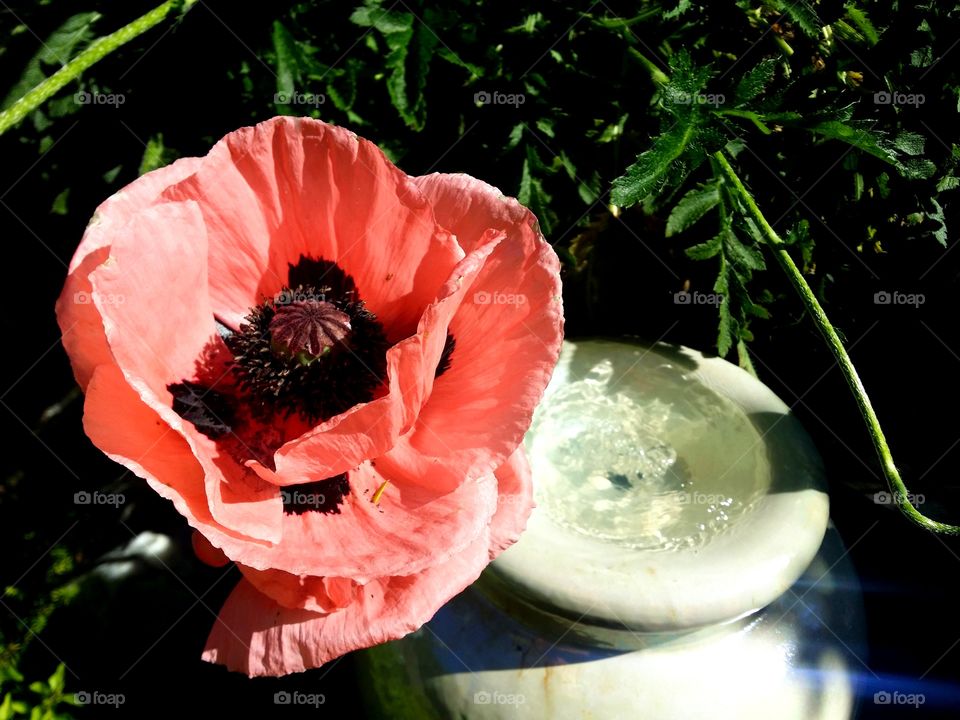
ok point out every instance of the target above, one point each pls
(328, 367)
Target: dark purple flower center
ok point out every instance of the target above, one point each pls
(309, 353)
(313, 350)
(307, 329)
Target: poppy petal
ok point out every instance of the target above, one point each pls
(318, 594)
(293, 187)
(257, 636)
(77, 316)
(397, 535)
(131, 296)
(345, 441)
(514, 502)
(480, 408)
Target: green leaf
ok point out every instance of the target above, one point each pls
(883, 185)
(755, 81)
(613, 131)
(411, 47)
(532, 194)
(728, 327)
(294, 62)
(451, 57)
(686, 82)
(529, 24)
(545, 125)
(155, 155)
(916, 168)
(859, 18)
(59, 206)
(706, 250)
(941, 232)
(909, 143)
(111, 175)
(802, 14)
(679, 10)
(10, 708)
(56, 681)
(862, 136)
(948, 182)
(799, 236)
(644, 175)
(516, 133)
(693, 206)
(743, 358)
(745, 258)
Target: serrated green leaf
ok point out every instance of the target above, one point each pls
(745, 258)
(644, 175)
(545, 125)
(686, 81)
(948, 183)
(532, 195)
(941, 232)
(693, 206)
(529, 24)
(909, 143)
(516, 133)
(679, 10)
(743, 358)
(922, 57)
(859, 18)
(292, 58)
(802, 14)
(857, 135)
(863, 137)
(755, 81)
(451, 57)
(728, 327)
(705, 250)
(916, 168)
(411, 47)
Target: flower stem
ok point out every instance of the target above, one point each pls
(96, 51)
(897, 488)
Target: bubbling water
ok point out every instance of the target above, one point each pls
(648, 458)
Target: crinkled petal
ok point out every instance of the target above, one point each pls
(319, 594)
(345, 441)
(292, 187)
(257, 636)
(396, 536)
(508, 336)
(78, 317)
(120, 424)
(514, 502)
(158, 323)
(206, 552)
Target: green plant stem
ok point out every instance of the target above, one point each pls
(656, 74)
(96, 51)
(900, 494)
